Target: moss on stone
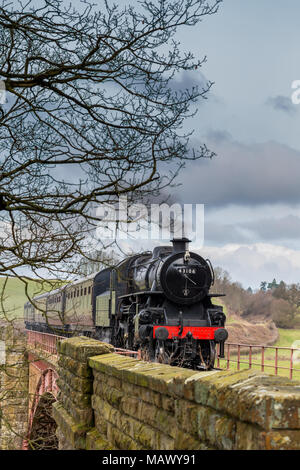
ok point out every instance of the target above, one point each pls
(81, 348)
(95, 441)
(73, 432)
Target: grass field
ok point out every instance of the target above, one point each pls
(286, 340)
(14, 296)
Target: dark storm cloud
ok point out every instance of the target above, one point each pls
(281, 103)
(242, 174)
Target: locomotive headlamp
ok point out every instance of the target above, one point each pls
(187, 256)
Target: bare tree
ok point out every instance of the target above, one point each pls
(90, 115)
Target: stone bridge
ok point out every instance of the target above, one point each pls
(85, 396)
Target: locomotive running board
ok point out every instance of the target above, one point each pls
(145, 292)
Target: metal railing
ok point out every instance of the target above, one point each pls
(45, 341)
(254, 356)
(127, 352)
(239, 356)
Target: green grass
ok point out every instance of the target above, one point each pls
(287, 337)
(285, 340)
(14, 296)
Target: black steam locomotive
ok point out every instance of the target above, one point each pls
(156, 302)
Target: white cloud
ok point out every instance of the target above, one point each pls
(251, 264)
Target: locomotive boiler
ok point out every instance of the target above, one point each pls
(157, 302)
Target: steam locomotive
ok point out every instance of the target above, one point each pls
(156, 302)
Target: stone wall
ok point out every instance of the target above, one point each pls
(73, 412)
(109, 401)
(13, 390)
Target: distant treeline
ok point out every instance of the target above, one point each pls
(279, 302)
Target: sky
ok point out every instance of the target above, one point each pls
(251, 189)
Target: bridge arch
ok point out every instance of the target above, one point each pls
(41, 425)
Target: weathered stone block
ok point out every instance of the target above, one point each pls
(270, 402)
(165, 442)
(120, 440)
(130, 406)
(168, 403)
(186, 415)
(282, 440)
(81, 348)
(184, 441)
(82, 385)
(157, 418)
(215, 428)
(109, 393)
(100, 423)
(80, 369)
(77, 398)
(143, 393)
(249, 437)
(63, 444)
(82, 415)
(95, 441)
(100, 378)
(158, 377)
(74, 433)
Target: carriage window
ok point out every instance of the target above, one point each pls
(89, 289)
(85, 291)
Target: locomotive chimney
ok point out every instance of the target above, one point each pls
(180, 244)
